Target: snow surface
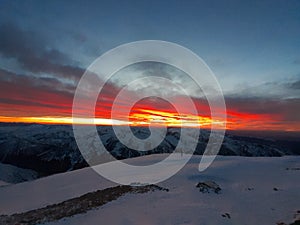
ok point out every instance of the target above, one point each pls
(247, 195)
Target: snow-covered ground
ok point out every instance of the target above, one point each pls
(254, 191)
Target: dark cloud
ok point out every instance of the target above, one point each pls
(287, 89)
(295, 85)
(279, 109)
(25, 95)
(45, 83)
(33, 54)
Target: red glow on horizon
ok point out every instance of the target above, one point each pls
(57, 109)
(144, 117)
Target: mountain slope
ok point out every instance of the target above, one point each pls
(253, 191)
(12, 174)
(51, 149)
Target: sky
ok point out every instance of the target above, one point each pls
(253, 48)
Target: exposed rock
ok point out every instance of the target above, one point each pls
(208, 186)
(226, 215)
(75, 206)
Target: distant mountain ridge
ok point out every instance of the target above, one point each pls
(10, 174)
(50, 149)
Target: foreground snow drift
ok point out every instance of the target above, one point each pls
(253, 191)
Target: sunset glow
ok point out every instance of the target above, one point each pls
(61, 120)
(145, 117)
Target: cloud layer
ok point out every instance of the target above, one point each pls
(49, 78)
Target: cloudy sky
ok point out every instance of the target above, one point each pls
(252, 47)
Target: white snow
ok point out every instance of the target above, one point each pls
(247, 194)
